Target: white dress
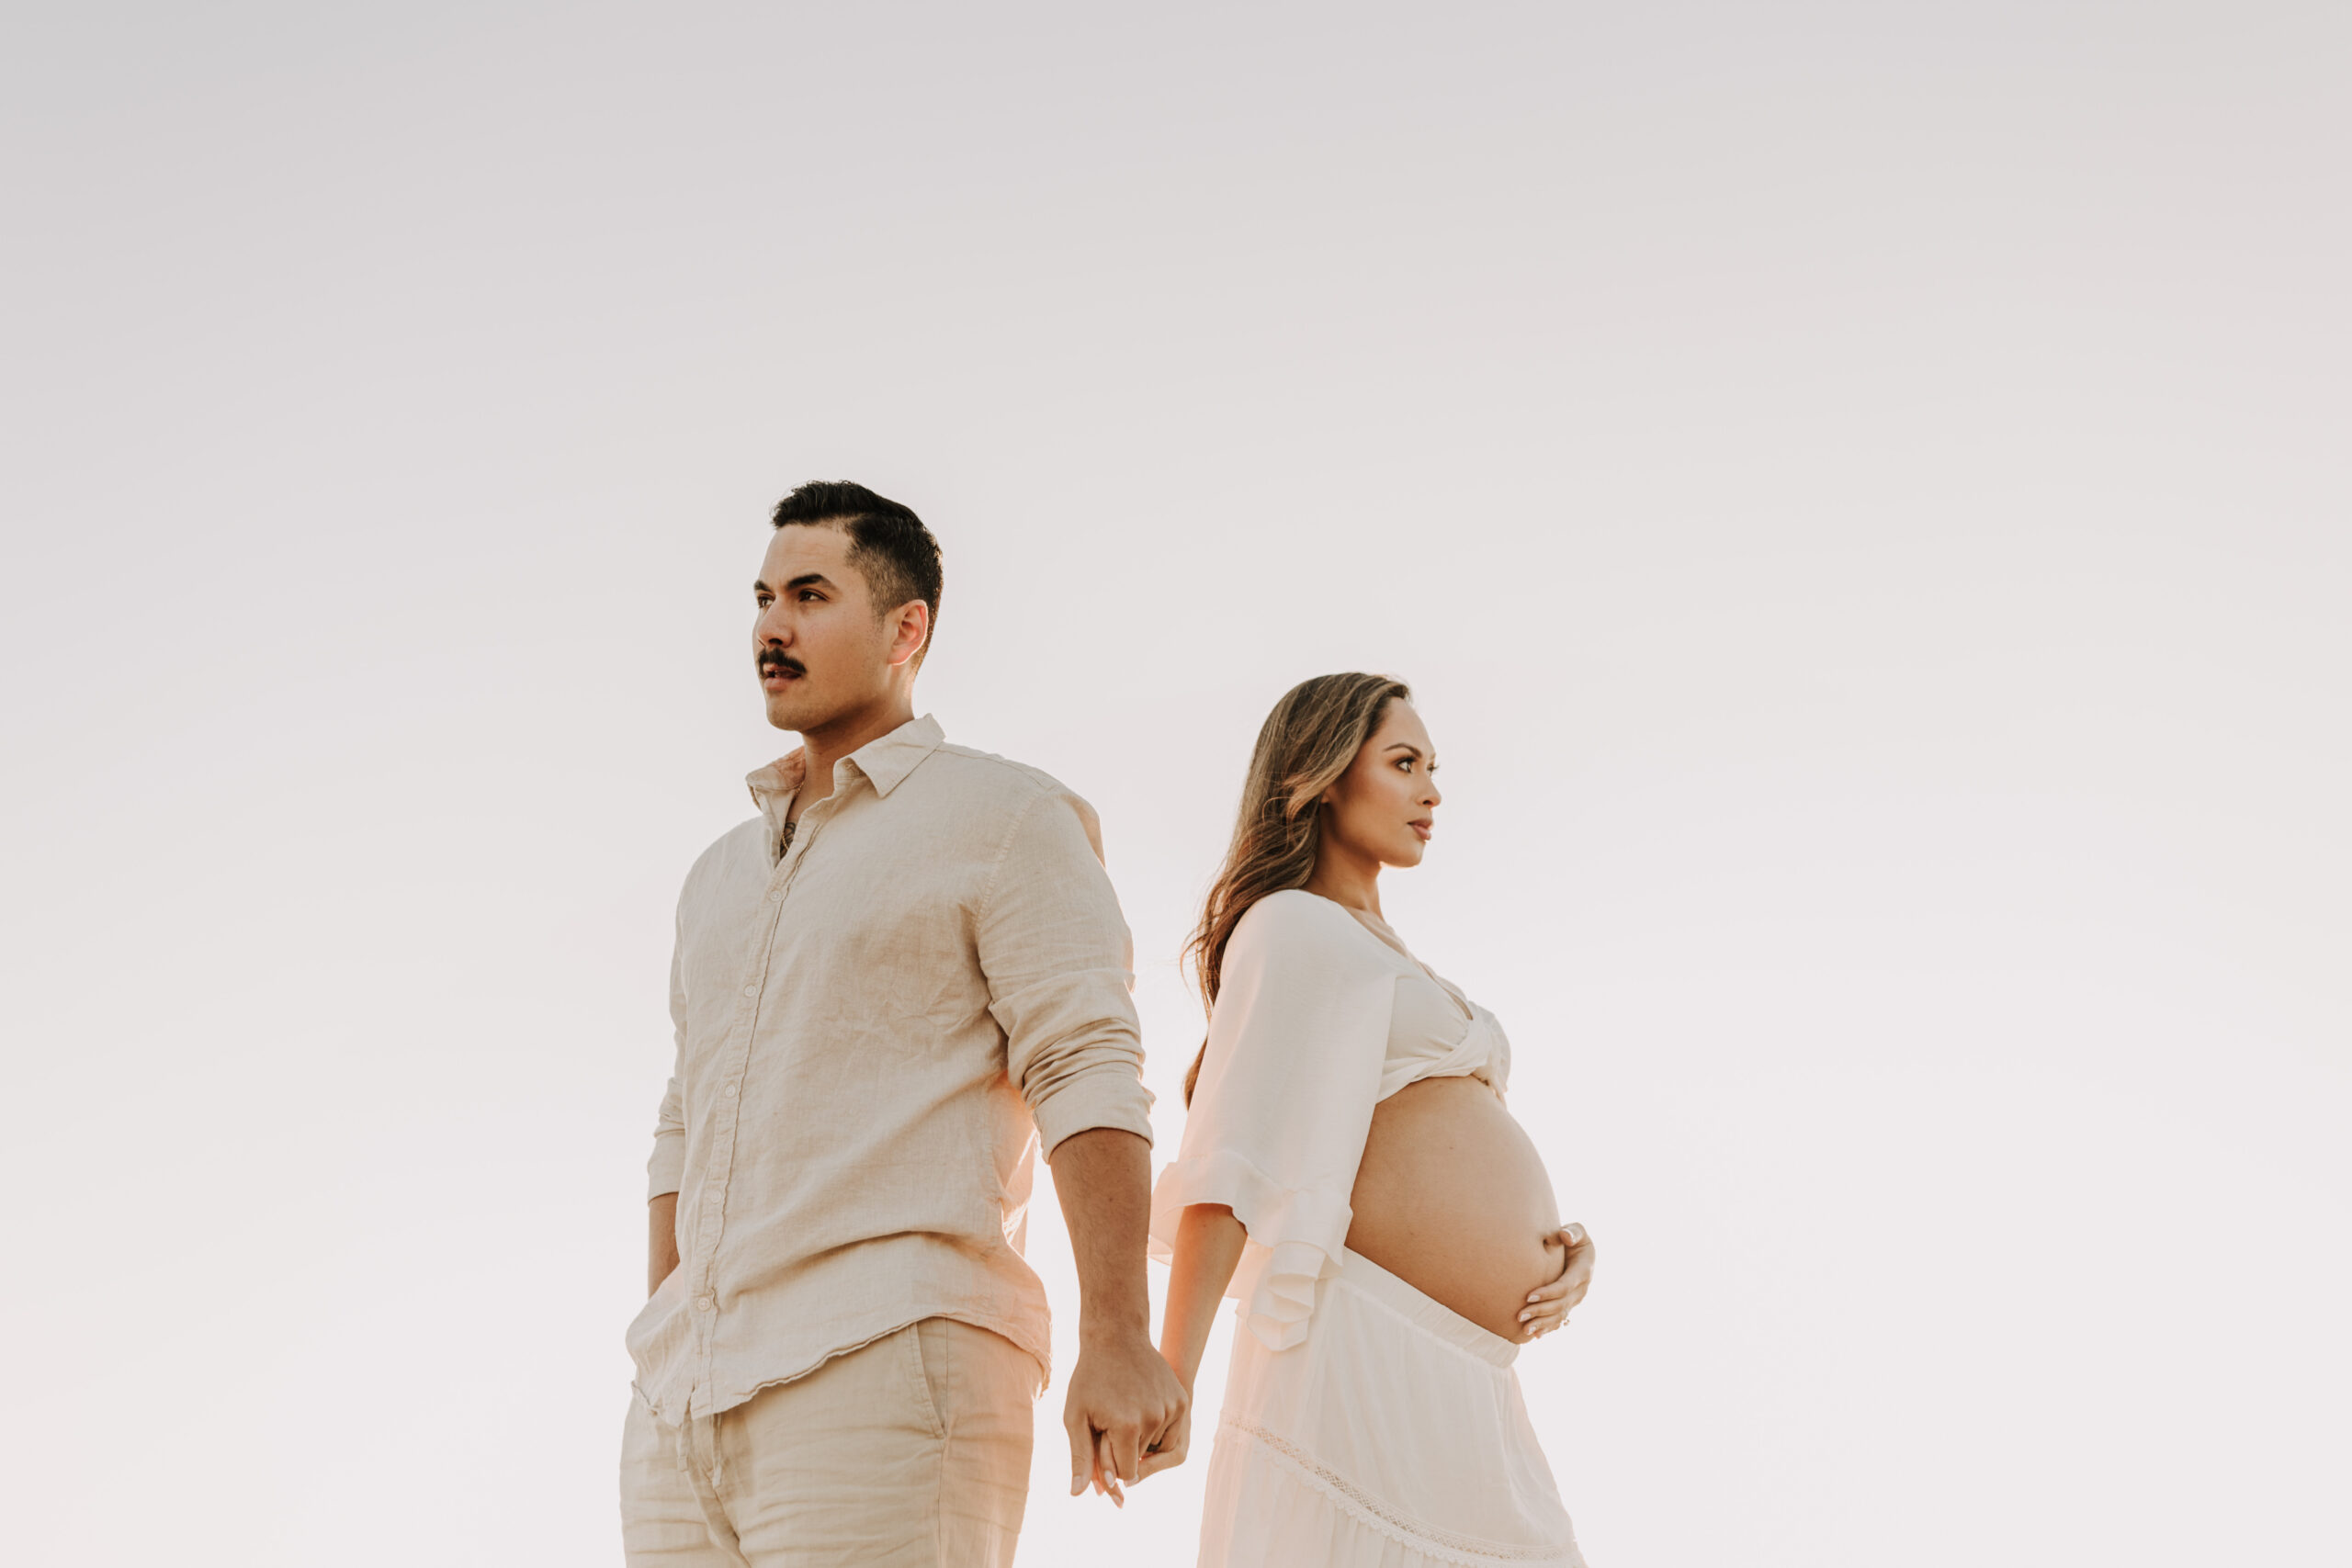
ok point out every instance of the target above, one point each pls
(1364, 1424)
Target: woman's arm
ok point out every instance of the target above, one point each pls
(1208, 1248)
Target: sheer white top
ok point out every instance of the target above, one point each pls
(1321, 1013)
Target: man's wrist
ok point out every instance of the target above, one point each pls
(1114, 1326)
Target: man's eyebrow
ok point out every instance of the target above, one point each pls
(806, 580)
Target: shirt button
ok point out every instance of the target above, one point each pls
(730, 1091)
(751, 990)
(703, 1303)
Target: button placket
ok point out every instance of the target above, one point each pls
(739, 1055)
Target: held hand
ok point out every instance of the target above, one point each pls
(1548, 1308)
(1166, 1454)
(1173, 1444)
(1123, 1400)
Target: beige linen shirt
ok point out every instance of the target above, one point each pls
(876, 1029)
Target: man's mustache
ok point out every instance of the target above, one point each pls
(784, 661)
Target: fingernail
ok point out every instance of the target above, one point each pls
(1525, 1315)
(1531, 1296)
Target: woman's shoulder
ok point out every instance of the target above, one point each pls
(1295, 909)
(1297, 925)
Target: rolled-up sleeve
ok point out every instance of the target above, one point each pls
(665, 1171)
(1059, 964)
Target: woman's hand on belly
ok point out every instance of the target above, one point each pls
(1548, 1308)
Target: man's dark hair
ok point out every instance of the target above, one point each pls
(887, 541)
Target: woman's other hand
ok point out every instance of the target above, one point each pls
(1548, 1308)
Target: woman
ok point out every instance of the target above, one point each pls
(1350, 1172)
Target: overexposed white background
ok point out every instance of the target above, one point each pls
(1860, 491)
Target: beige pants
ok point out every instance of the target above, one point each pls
(909, 1452)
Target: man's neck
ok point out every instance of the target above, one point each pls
(828, 743)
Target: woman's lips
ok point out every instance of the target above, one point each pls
(1422, 830)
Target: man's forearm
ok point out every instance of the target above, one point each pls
(661, 1240)
(1104, 1178)
(1123, 1400)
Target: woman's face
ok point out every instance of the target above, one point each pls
(1384, 805)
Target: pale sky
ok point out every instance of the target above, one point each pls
(1859, 492)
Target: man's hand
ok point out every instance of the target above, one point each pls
(1124, 1403)
(1548, 1308)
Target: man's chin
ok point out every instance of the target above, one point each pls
(789, 710)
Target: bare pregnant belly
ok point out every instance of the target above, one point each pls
(1453, 1198)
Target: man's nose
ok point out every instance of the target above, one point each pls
(774, 629)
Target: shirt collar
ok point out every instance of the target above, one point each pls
(886, 761)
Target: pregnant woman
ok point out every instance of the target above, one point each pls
(1349, 1173)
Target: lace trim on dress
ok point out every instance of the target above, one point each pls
(1471, 1552)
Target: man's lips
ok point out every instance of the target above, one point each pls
(777, 676)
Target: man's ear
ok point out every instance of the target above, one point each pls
(913, 632)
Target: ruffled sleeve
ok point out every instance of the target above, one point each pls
(1284, 1099)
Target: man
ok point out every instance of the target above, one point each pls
(906, 965)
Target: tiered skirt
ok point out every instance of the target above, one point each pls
(1394, 1437)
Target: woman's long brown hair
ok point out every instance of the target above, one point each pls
(1305, 745)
